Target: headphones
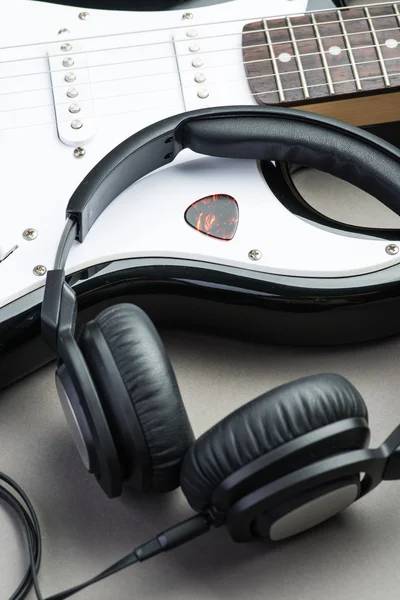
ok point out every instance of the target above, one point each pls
(278, 465)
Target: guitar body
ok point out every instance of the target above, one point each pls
(74, 85)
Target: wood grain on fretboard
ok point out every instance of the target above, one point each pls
(336, 63)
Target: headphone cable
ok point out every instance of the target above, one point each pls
(171, 538)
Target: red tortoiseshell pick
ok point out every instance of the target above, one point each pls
(216, 216)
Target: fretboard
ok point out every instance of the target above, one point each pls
(323, 55)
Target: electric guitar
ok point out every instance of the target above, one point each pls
(74, 83)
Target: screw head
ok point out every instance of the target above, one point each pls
(74, 108)
(187, 15)
(66, 47)
(63, 30)
(255, 254)
(84, 15)
(39, 270)
(72, 92)
(76, 124)
(79, 152)
(30, 234)
(392, 249)
(69, 77)
(203, 94)
(68, 62)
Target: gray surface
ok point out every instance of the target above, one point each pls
(356, 555)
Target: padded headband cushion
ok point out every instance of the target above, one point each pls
(269, 421)
(147, 373)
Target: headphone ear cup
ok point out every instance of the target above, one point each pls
(140, 396)
(267, 422)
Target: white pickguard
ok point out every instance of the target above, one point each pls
(133, 69)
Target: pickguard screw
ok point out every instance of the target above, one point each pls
(79, 152)
(63, 30)
(392, 249)
(39, 270)
(188, 15)
(255, 254)
(84, 16)
(29, 234)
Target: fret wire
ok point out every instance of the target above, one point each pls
(349, 51)
(323, 57)
(274, 63)
(378, 50)
(298, 58)
(396, 12)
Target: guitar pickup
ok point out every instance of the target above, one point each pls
(72, 94)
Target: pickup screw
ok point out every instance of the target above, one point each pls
(188, 15)
(392, 249)
(79, 152)
(29, 234)
(255, 254)
(63, 30)
(39, 270)
(70, 77)
(72, 92)
(84, 16)
(66, 47)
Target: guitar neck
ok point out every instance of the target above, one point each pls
(344, 63)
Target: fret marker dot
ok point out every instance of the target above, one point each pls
(284, 57)
(335, 50)
(391, 43)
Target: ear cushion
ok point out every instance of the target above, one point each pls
(269, 421)
(147, 374)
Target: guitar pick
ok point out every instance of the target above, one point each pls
(216, 216)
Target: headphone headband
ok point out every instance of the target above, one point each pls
(268, 133)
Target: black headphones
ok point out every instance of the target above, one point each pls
(278, 465)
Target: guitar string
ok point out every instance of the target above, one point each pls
(195, 85)
(393, 15)
(111, 64)
(186, 25)
(176, 71)
(157, 107)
